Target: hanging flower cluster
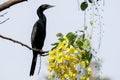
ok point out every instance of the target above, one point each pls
(70, 55)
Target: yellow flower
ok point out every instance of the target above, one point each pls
(70, 73)
(66, 75)
(87, 62)
(66, 39)
(50, 76)
(91, 22)
(82, 78)
(62, 79)
(51, 59)
(61, 66)
(51, 66)
(64, 44)
(83, 64)
(88, 78)
(88, 71)
(50, 69)
(83, 52)
(71, 50)
(72, 78)
(64, 60)
(60, 45)
(59, 60)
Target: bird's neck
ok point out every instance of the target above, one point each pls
(42, 16)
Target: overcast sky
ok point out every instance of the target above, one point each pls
(15, 60)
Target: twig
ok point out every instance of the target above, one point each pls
(9, 3)
(18, 42)
(4, 21)
(3, 14)
(78, 5)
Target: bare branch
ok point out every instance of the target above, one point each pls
(4, 21)
(3, 14)
(9, 3)
(18, 42)
(6, 5)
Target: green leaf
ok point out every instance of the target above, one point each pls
(79, 42)
(61, 39)
(54, 44)
(53, 47)
(59, 34)
(71, 37)
(90, 1)
(85, 27)
(89, 56)
(86, 43)
(84, 6)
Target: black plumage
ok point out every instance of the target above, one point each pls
(38, 34)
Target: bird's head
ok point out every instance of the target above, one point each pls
(44, 7)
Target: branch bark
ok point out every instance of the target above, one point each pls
(9, 3)
(18, 42)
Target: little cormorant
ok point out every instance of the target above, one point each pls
(38, 34)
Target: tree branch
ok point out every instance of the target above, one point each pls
(18, 42)
(2, 15)
(4, 21)
(6, 5)
(9, 3)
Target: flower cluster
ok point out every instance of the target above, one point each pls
(67, 58)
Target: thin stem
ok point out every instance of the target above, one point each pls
(78, 5)
(3, 14)
(4, 21)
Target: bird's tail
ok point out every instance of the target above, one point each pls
(33, 63)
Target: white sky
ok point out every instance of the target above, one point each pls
(15, 60)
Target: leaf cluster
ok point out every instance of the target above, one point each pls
(84, 5)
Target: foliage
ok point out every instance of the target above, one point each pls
(71, 55)
(84, 6)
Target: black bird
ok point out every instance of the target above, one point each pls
(38, 34)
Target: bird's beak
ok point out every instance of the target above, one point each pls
(51, 6)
